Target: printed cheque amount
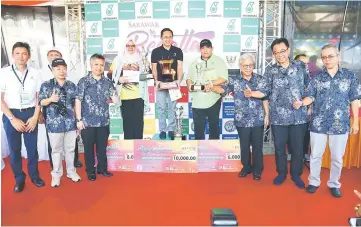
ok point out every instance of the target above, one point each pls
(233, 156)
(129, 156)
(184, 157)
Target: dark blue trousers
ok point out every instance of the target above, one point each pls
(15, 143)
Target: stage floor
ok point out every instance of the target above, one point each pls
(175, 199)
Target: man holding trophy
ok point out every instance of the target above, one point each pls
(204, 73)
(167, 69)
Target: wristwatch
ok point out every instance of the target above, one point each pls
(79, 120)
(11, 117)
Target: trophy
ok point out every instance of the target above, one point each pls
(167, 76)
(179, 118)
(199, 83)
(146, 63)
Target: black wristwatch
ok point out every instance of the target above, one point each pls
(79, 120)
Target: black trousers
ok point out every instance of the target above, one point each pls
(199, 120)
(97, 136)
(247, 137)
(133, 118)
(292, 135)
(306, 141)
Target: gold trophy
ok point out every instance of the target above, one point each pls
(167, 77)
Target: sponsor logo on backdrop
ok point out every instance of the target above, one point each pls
(144, 11)
(231, 60)
(229, 126)
(231, 28)
(250, 10)
(214, 10)
(179, 10)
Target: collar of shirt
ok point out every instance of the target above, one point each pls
(18, 71)
(92, 78)
(326, 74)
(170, 48)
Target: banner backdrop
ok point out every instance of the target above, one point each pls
(231, 25)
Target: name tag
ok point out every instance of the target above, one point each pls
(25, 98)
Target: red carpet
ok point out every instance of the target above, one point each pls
(175, 199)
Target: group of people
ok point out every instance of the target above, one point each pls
(285, 98)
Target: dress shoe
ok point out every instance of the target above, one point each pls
(19, 187)
(105, 173)
(92, 176)
(256, 177)
(311, 189)
(38, 182)
(336, 192)
(78, 164)
(279, 179)
(243, 173)
(298, 182)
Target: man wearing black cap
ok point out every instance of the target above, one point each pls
(58, 95)
(47, 74)
(166, 52)
(207, 71)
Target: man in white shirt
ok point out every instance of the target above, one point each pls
(47, 74)
(19, 103)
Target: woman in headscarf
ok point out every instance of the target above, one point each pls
(133, 96)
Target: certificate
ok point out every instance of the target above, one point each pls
(133, 76)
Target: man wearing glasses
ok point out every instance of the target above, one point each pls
(332, 92)
(287, 83)
(251, 114)
(58, 95)
(166, 52)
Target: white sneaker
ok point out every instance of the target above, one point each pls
(55, 182)
(74, 177)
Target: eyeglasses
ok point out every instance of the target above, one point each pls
(130, 46)
(250, 66)
(281, 52)
(329, 57)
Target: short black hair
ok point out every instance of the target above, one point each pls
(165, 30)
(279, 41)
(22, 44)
(299, 56)
(97, 56)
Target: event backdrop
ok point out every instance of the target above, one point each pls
(231, 25)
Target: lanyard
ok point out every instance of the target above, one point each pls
(51, 70)
(26, 74)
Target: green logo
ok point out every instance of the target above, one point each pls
(143, 9)
(214, 8)
(94, 27)
(249, 8)
(178, 8)
(231, 25)
(249, 42)
(109, 10)
(111, 44)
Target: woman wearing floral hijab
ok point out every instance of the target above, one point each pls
(133, 97)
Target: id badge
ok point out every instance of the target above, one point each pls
(25, 98)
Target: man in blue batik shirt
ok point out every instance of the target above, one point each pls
(58, 95)
(92, 115)
(287, 83)
(251, 114)
(331, 92)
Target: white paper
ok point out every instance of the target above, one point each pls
(175, 94)
(133, 76)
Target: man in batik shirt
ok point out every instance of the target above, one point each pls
(332, 92)
(92, 115)
(287, 83)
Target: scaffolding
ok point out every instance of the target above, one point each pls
(74, 16)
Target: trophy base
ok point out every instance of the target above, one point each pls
(179, 137)
(167, 85)
(198, 87)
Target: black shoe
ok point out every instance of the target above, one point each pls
(38, 182)
(19, 187)
(92, 176)
(311, 189)
(256, 177)
(171, 135)
(336, 192)
(298, 182)
(78, 164)
(105, 173)
(279, 179)
(243, 173)
(162, 135)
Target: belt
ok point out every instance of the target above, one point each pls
(23, 110)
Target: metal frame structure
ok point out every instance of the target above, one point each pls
(270, 14)
(74, 16)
